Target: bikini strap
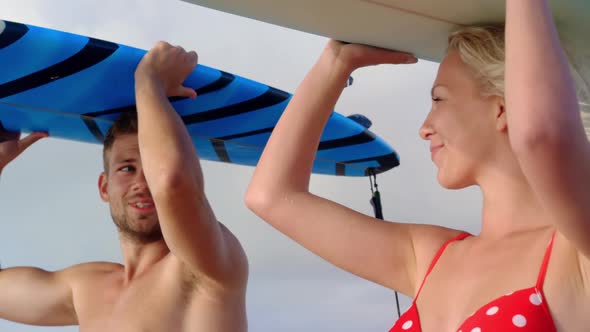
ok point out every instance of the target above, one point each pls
(437, 256)
(543, 270)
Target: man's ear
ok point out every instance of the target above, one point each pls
(501, 116)
(103, 182)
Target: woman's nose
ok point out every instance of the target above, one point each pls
(426, 130)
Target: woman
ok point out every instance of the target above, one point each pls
(504, 118)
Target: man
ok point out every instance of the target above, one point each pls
(182, 270)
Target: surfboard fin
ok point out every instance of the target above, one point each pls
(349, 81)
(361, 119)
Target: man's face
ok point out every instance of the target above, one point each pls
(124, 187)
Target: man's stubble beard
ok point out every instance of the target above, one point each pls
(143, 236)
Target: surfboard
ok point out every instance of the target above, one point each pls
(420, 27)
(74, 86)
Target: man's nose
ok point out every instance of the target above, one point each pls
(140, 183)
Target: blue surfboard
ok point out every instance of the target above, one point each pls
(73, 87)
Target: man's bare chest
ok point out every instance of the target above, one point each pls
(146, 305)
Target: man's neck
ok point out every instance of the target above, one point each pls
(140, 257)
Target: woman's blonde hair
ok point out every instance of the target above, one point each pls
(482, 49)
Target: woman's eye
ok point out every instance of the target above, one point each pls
(435, 98)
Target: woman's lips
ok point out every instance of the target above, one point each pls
(434, 150)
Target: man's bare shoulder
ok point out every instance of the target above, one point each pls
(91, 270)
(233, 243)
(95, 267)
(238, 257)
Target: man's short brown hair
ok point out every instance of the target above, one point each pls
(125, 124)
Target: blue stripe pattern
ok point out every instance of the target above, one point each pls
(74, 86)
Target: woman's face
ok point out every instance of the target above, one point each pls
(462, 126)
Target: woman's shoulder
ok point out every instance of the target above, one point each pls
(428, 241)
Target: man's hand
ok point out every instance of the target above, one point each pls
(11, 146)
(167, 66)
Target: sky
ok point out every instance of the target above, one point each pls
(51, 215)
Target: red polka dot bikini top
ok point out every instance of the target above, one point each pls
(522, 310)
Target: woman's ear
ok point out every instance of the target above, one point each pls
(501, 116)
(102, 187)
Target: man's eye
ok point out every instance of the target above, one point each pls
(127, 169)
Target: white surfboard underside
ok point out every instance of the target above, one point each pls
(417, 26)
